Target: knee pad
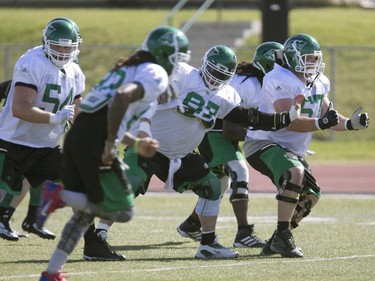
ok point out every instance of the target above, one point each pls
(210, 189)
(239, 175)
(207, 207)
(287, 185)
(303, 209)
(310, 184)
(240, 168)
(240, 192)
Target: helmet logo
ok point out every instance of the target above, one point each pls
(296, 45)
(270, 54)
(167, 39)
(215, 52)
(50, 30)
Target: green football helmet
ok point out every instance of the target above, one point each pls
(264, 57)
(303, 55)
(168, 45)
(60, 34)
(74, 24)
(218, 67)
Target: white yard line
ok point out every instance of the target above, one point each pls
(210, 265)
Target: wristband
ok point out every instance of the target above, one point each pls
(348, 125)
(145, 127)
(136, 144)
(317, 124)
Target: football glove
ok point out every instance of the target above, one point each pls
(358, 121)
(329, 119)
(62, 116)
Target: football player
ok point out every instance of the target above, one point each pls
(95, 184)
(45, 89)
(220, 149)
(281, 155)
(200, 97)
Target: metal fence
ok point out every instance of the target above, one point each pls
(350, 70)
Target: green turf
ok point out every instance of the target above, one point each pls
(331, 26)
(337, 240)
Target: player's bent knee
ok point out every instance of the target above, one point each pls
(240, 192)
(207, 207)
(303, 208)
(209, 189)
(125, 215)
(287, 185)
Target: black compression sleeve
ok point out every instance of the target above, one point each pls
(258, 120)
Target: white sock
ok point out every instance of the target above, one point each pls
(57, 261)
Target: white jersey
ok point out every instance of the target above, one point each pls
(180, 133)
(54, 89)
(281, 83)
(153, 78)
(248, 88)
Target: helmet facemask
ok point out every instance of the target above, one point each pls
(61, 59)
(310, 65)
(215, 76)
(177, 57)
(218, 67)
(57, 34)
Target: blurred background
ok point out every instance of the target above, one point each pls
(114, 28)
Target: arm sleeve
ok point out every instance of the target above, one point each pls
(258, 120)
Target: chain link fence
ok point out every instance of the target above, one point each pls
(350, 70)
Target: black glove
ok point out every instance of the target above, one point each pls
(329, 119)
(358, 120)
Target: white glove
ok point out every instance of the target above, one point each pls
(294, 113)
(358, 120)
(295, 110)
(65, 114)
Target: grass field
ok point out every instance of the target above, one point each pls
(331, 26)
(337, 240)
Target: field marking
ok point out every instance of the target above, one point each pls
(339, 196)
(242, 263)
(263, 219)
(159, 269)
